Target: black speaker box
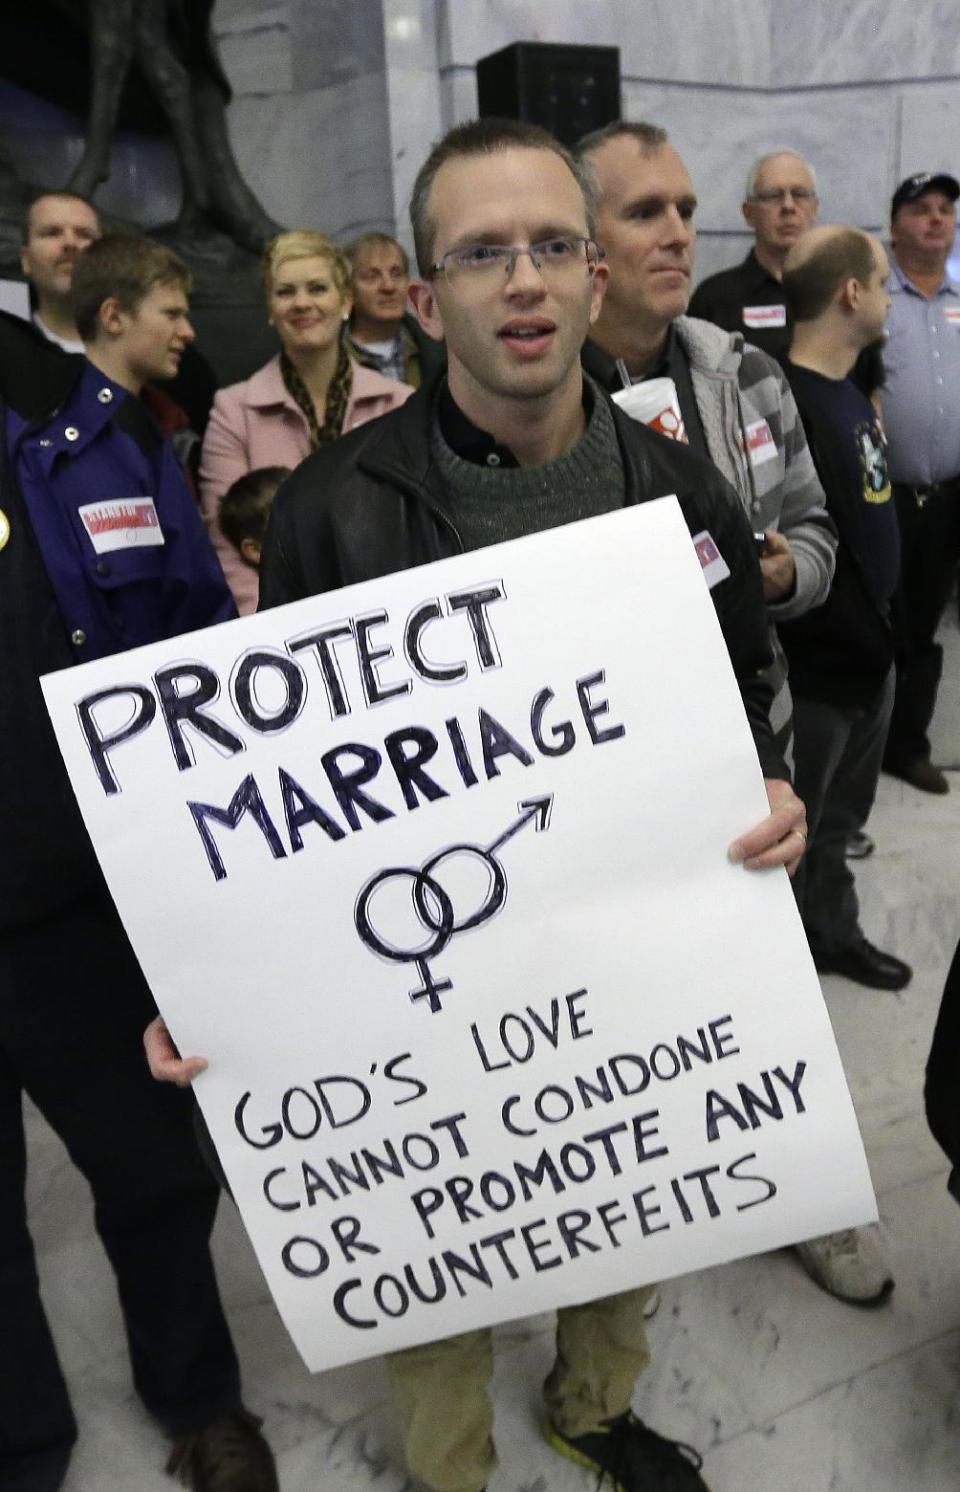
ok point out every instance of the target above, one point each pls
(568, 90)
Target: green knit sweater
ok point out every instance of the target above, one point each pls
(489, 504)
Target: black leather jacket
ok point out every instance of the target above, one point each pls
(372, 503)
(943, 1075)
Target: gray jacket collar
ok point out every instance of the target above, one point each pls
(711, 351)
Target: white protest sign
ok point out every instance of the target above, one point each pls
(433, 869)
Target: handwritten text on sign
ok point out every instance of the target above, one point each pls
(434, 871)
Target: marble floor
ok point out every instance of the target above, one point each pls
(780, 1386)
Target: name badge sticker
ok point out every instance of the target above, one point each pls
(951, 315)
(712, 562)
(761, 445)
(761, 316)
(121, 523)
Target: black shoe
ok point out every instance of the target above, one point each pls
(859, 846)
(920, 773)
(865, 964)
(228, 1456)
(632, 1457)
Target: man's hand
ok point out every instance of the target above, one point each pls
(777, 568)
(163, 1059)
(781, 838)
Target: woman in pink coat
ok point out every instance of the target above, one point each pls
(311, 393)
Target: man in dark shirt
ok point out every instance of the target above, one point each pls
(59, 227)
(513, 441)
(841, 654)
(780, 204)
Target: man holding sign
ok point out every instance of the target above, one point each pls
(515, 440)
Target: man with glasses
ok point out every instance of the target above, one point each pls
(512, 441)
(780, 204)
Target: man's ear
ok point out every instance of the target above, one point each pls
(850, 292)
(111, 317)
(250, 551)
(423, 298)
(601, 279)
(747, 209)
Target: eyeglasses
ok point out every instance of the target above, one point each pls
(485, 262)
(778, 195)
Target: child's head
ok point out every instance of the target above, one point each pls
(245, 508)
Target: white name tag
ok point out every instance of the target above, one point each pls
(951, 314)
(760, 316)
(121, 523)
(713, 564)
(761, 445)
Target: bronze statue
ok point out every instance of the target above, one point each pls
(170, 41)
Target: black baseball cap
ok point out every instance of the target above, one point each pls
(924, 181)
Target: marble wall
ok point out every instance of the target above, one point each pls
(336, 107)
(310, 120)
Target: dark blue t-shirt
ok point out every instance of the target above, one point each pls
(859, 458)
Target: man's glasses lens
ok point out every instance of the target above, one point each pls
(551, 256)
(780, 195)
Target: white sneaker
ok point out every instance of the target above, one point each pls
(848, 1265)
(652, 1306)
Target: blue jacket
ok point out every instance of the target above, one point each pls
(118, 527)
(60, 574)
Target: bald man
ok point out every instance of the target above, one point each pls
(841, 653)
(780, 204)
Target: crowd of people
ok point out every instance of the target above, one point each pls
(546, 363)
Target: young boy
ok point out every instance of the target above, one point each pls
(245, 508)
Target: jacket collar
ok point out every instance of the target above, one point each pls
(900, 281)
(710, 349)
(603, 369)
(36, 376)
(402, 451)
(266, 388)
